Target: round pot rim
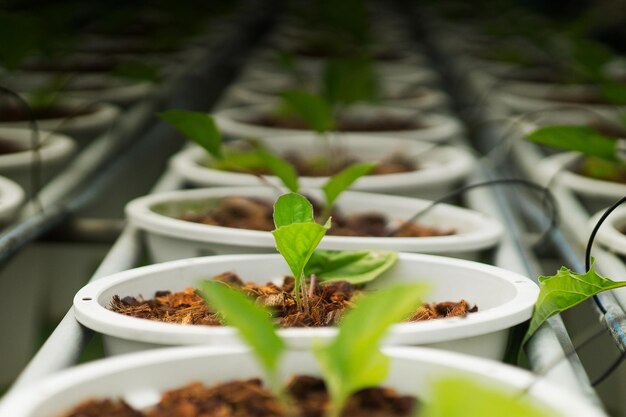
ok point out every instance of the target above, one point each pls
(26, 400)
(103, 113)
(141, 214)
(90, 313)
(576, 182)
(458, 163)
(441, 127)
(55, 146)
(11, 196)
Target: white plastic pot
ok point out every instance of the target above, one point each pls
(236, 123)
(266, 91)
(96, 87)
(140, 379)
(55, 150)
(504, 299)
(610, 233)
(170, 238)
(530, 97)
(11, 198)
(596, 193)
(82, 128)
(442, 167)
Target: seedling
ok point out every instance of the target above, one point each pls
(297, 235)
(201, 129)
(351, 362)
(254, 323)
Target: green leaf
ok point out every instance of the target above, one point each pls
(350, 81)
(343, 180)
(462, 397)
(197, 127)
(239, 161)
(292, 208)
(296, 241)
(313, 109)
(357, 267)
(582, 139)
(252, 320)
(564, 290)
(602, 169)
(353, 360)
(282, 169)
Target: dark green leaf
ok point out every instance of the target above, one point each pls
(564, 290)
(292, 208)
(353, 360)
(582, 139)
(282, 169)
(343, 180)
(311, 108)
(197, 127)
(252, 320)
(463, 397)
(355, 267)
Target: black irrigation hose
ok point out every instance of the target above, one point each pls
(516, 181)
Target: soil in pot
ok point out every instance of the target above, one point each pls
(257, 214)
(307, 398)
(8, 147)
(383, 122)
(319, 166)
(13, 112)
(91, 63)
(324, 304)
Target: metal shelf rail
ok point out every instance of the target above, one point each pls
(66, 195)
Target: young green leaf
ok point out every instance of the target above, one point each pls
(296, 241)
(353, 360)
(313, 109)
(198, 127)
(342, 181)
(462, 397)
(582, 139)
(292, 208)
(564, 290)
(282, 169)
(357, 267)
(252, 320)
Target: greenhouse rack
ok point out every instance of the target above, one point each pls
(85, 178)
(64, 346)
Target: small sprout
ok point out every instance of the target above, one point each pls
(563, 291)
(342, 181)
(282, 169)
(350, 81)
(138, 71)
(583, 139)
(253, 321)
(296, 236)
(353, 360)
(310, 107)
(198, 127)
